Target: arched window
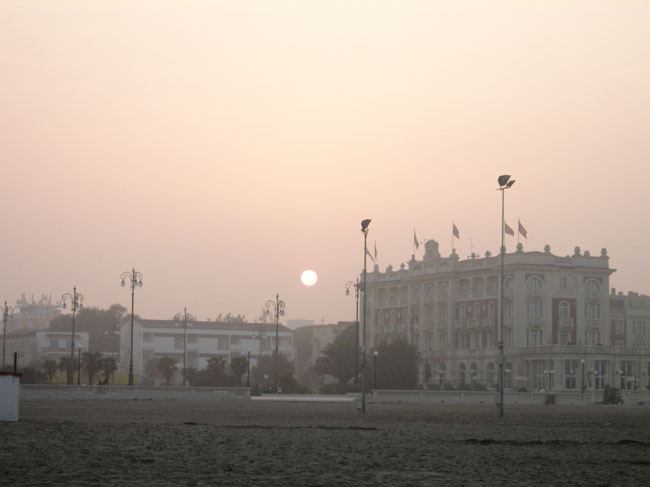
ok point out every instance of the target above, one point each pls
(534, 282)
(592, 285)
(565, 310)
(473, 373)
(490, 378)
(507, 282)
(477, 311)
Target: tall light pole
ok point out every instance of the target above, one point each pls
(375, 354)
(364, 230)
(278, 310)
(356, 286)
(76, 302)
(504, 183)
(7, 312)
(185, 316)
(248, 368)
(135, 278)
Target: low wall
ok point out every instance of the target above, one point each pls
(46, 392)
(510, 397)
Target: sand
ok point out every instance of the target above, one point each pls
(169, 443)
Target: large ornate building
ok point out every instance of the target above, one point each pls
(563, 328)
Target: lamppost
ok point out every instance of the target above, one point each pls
(76, 302)
(135, 279)
(278, 310)
(7, 312)
(79, 368)
(356, 286)
(504, 183)
(413, 317)
(375, 354)
(364, 230)
(248, 369)
(582, 376)
(185, 316)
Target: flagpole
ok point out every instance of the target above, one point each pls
(518, 233)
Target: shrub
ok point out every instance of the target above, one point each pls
(612, 395)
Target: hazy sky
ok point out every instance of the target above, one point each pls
(223, 147)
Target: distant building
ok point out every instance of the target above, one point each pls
(310, 341)
(563, 330)
(294, 324)
(36, 346)
(32, 314)
(160, 338)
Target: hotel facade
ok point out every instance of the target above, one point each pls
(564, 330)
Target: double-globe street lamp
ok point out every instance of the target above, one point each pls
(135, 279)
(7, 312)
(504, 183)
(278, 310)
(364, 230)
(184, 317)
(356, 285)
(76, 302)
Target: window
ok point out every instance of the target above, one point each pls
(54, 344)
(443, 312)
(628, 375)
(534, 338)
(565, 310)
(638, 327)
(600, 374)
(235, 340)
(592, 285)
(564, 338)
(570, 372)
(147, 337)
(477, 311)
(179, 342)
(619, 327)
(507, 282)
(534, 282)
(592, 311)
(507, 308)
(564, 284)
(533, 308)
(592, 337)
(461, 312)
(222, 343)
(490, 309)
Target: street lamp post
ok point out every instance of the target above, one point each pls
(504, 183)
(79, 368)
(76, 302)
(185, 316)
(582, 376)
(248, 369)
(7, 312)
(364, 230)
(356, 286)
(278, 310)
(375, 354)
(135, 279)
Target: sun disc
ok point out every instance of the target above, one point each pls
(309, 277)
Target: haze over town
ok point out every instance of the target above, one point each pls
(222, 148)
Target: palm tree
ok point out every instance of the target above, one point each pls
(49, 367)
(167, 368)
(92, 363)
(108, 368)
(64, 366)
(239, 365)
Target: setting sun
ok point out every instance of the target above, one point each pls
(309, 278)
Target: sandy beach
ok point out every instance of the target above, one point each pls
(270, 443)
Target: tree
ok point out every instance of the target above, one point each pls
(230, 318)
(100, 324)
(215, 369)
(151, 372)
(92, 362)
(167, 368)
(49, 367)
(397, 366)
(264, 371)
(108, 368)
(64, 366)
(31, 375)
(339, 357)
(239, 366)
